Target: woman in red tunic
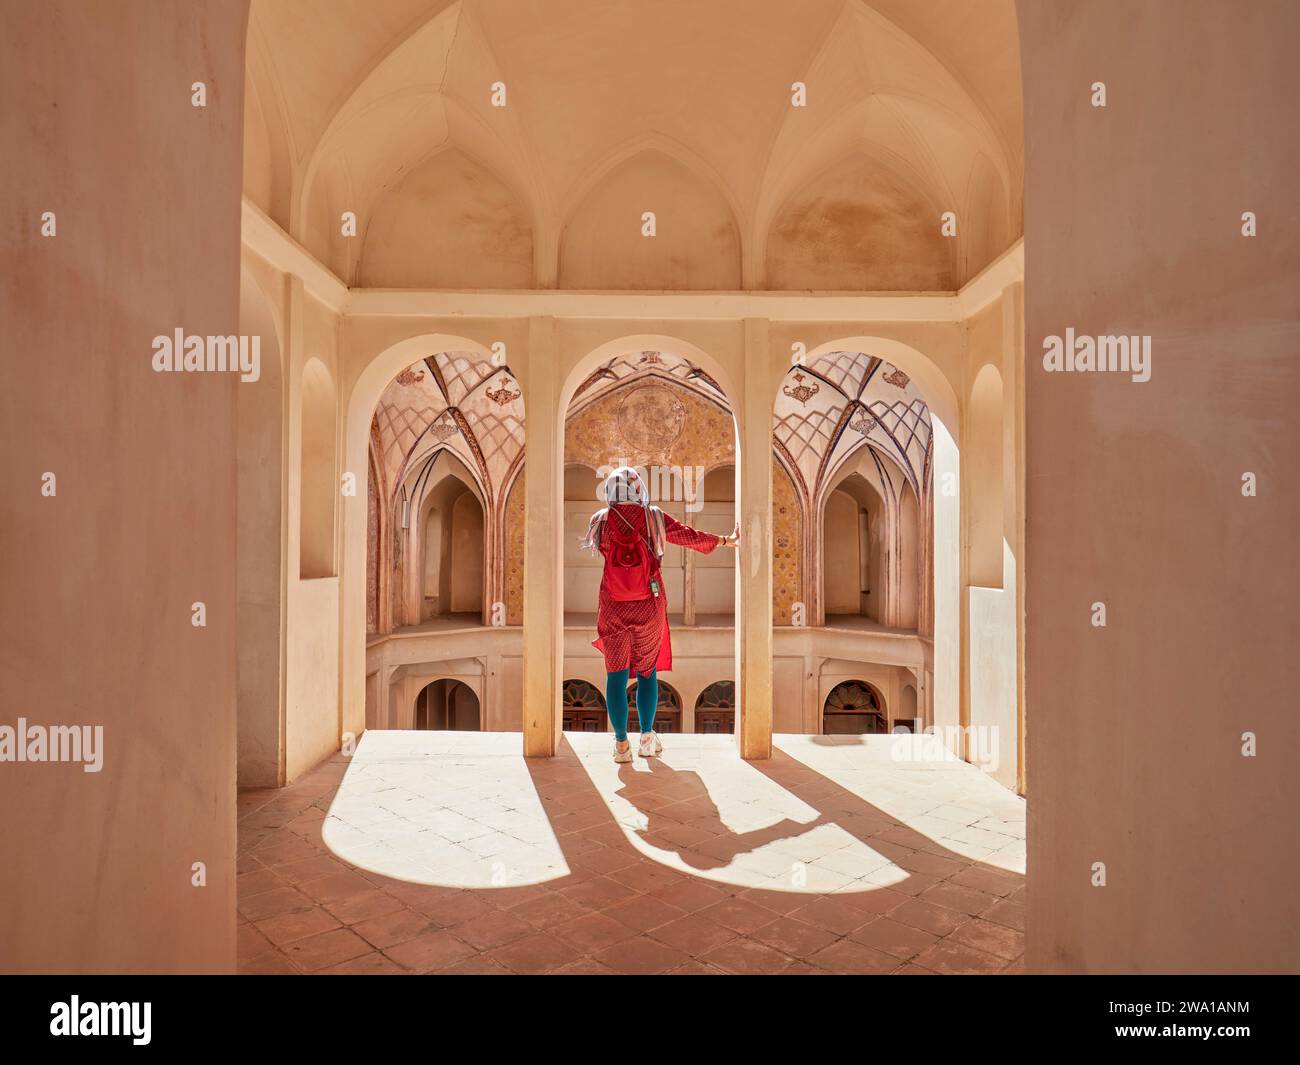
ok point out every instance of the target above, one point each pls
(632, 614)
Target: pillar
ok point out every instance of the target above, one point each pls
(754, 572)
(543, 636)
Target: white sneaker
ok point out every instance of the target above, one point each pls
(650, 745)
(624, 755)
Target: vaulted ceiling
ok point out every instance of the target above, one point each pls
(384, 108)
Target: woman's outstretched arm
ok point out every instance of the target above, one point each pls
(696, 539)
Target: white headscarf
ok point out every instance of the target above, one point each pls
(625, 485)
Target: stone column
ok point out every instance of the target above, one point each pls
(754, 573)
(543, 637)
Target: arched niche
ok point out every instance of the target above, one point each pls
(448, 705)
(858, 227)
(259, 533)
(983, 465)
(853, 546)
(695, 246)
(449, 224)
(318, 484)
(442, 564)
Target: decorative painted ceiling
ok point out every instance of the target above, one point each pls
(835, 403)
(637, 365)
(454, 400)
(828, 409)
(504, 144)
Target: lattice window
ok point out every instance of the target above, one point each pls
(579, 695)
(853, 707)
(720, 695)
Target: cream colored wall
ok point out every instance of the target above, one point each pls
(994, 535)
(260, 540)
(98, 869)
(312, 728)
(1135, 490)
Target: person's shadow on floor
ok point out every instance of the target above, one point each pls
(682, 817)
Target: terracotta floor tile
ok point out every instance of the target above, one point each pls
(1007, 943)
(250, 943)
(643, 913)
(309, 869)
(779, 902)
(740, 915)
(478, 965)
(538, 953)
(396, 926)
(747, 957)
(270, 903)
(832, 912)
(372, 964)
(694, 934)
(363, 907)
(877, 901)
(453, 908)
(937, 920)
(1011, 914)
(691, 895)
(592, 932)
(583, 967)
(849, 957)
(695, 968)
(328, 948)
(949, 957)
(492, 929)
(259, 880)
(994, 881)
(429, 951)
(549, 909)
(598, 893)
(297, 924)
(798, 939)
(893, 937)
(272, 963)
(344, 884)
(641, 956)
(955, 897)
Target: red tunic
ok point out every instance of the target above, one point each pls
(634, 633)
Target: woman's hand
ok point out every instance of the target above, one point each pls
(733, 538)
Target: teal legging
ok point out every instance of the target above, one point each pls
(647, 698)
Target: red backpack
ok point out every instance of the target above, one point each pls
(630, 568)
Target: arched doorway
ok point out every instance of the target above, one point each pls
(854, 708)
(447, 705)
(584, 707)
(668, 709)
(715, 709)
(663, 410)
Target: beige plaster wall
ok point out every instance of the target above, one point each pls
(97, 873)
(1133, 225)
